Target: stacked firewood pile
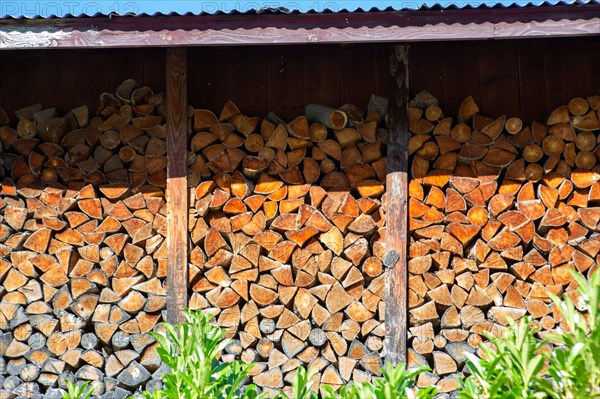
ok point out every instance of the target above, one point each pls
(287, 233)
(82, 245)
(499, 214)
(287, 226)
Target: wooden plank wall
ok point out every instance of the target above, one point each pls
(517, 77)
(69, 78)
(284, 79)
(258, 79)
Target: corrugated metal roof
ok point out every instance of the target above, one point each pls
(14, 9)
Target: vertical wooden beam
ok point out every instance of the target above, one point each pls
(177, 197)
(397, 222)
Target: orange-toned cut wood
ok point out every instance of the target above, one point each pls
(437, 177)
(454, 201)
(478, 216)
(504, 240)
(583, 178)
(468, 108)
(436, 198)
(494, 128)
(443, 127)
(302, 235)
(464, 233)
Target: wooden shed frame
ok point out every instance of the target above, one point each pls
(397, 27)
(396, 183)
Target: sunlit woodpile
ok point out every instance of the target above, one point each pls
(82, 244)
(287, 225)
(499, 212)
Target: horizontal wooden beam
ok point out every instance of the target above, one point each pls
(210, 30)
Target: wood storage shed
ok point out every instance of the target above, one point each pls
(284, 171)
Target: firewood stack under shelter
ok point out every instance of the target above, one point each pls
(82, 245)
(286, 234)
(499, 213)
(287, 226)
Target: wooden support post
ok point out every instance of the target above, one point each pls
(397, 221)
(177, 197)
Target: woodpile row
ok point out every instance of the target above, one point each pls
(499, 213)
(287, 227)
(82, 245)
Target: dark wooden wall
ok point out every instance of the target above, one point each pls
(516, 77)
(69, 78)
(258, 79)
(284, 79)
(527, 78)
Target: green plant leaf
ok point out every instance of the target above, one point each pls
(77, 391)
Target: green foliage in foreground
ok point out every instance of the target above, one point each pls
(397, 382)
(575, 364)
(512, 367)
(191, 350)
(509, 370)
(77, 391)
(302, 385)
(517, 365)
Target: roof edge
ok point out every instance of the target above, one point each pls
(67, 9)
(405, 26)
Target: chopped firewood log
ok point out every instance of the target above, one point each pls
(331, 118)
